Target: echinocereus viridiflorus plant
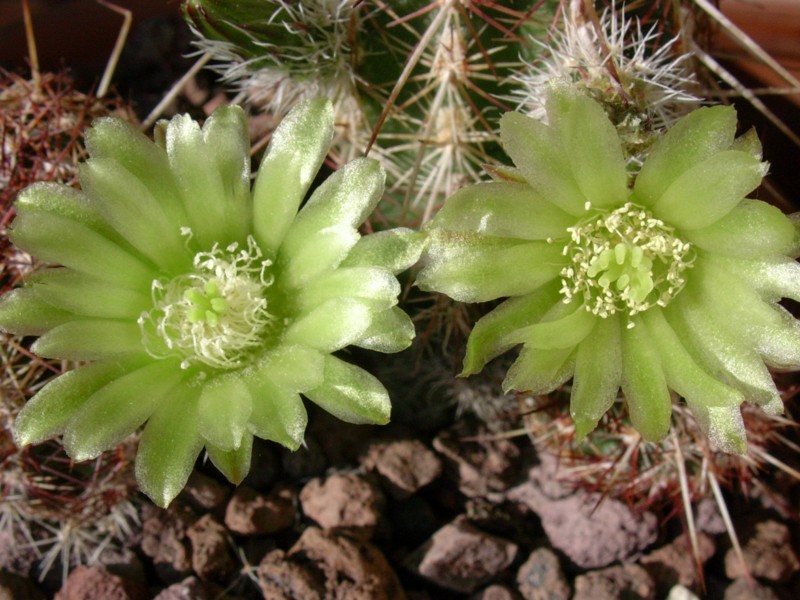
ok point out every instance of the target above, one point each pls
(204, 307)
(661, 281)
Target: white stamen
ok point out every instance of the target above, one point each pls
(214, 315)
(625, 260)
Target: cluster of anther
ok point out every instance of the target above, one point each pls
(624, 261)
(215, 314)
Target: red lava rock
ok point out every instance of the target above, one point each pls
(353, 569)
(405, 465)
(251, 513)
(478, 466)
(164, 540)
(461, 557)
(742, 589)
(94, 583)
(279, 577)
(767, 554)
(204, 493)
(675, 564)
(495, 592)
(343, 501)
(16, 587)
(190, 588)
(541, 577)
(591, 530)
(211, 556)
(707, 518)
(623, 581)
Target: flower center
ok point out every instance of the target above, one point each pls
(624, 260)
(214, 315)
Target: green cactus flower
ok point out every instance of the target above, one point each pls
(663, 281)
(204, 308)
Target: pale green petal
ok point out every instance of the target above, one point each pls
(66, 202)
(723, 425)
(331, 326)
(348, 196)
(200, 185)
(476, 268)
(752, 229)
(490, 335)
(59, 240)
(395, 250)
(644, 383)
(709, 190)
(118, 409)
(768, 327)
(211, 168)
(112, 138)
(90, 339)
(749, 142)
(540, 371)
(389, 331)
(503, 210)
(773, 278)
(278, 413)
(224, 408)
(23, 312)
(351, 394)
(47, 413)
(697, 136)
(85, 295)
(325, 229)
(376, 286)
(294, 156)
(227, 137)
(537, 152)
(683, 373)
(564, 326)
(504, 173)
(727, 356)
(295, 368)
(316, 255)
(234, 464)
(169, 447)
(598, 371)
(592, 144)
(135, 213)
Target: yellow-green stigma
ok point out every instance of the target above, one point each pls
(624, 261)
(215, 315)
(207, 305)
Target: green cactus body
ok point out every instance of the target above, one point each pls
(454, 60)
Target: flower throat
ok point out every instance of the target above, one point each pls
(214, 315)
(625, 261)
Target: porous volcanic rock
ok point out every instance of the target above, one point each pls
(477, 461)
(620, 581)
(351, 568)
(593, 531)
(406, 466)
(96, 583)
(251, 513)
(462, 558)
(675, 563)
(541, 577)
(767, 554)
(211, 554)
(343, 501)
